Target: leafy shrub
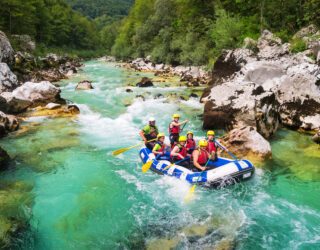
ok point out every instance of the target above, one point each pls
(298, 45)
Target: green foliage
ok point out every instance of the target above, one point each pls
(94, 9)
(51, 22)
(297, 45)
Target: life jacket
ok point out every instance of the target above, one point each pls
(190, 144)
(153, 133)
(163, 147)
(211, 147)
(182, 151)
(174, 129)
(203, 157)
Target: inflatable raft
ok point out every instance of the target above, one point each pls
(223, 171)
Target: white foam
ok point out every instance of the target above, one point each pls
(193, 103)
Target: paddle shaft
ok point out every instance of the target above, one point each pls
(224, 148)
(169, 166)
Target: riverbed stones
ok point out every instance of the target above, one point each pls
(6, 50)
(247, 142)
(8, 80)
(52, 105)
(84, 85)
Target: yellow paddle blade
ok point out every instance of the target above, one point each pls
(146, 166)
(190, 194)
(119, 151)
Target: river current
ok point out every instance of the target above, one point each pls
(84, 198)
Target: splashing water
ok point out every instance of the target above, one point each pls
(84, 198)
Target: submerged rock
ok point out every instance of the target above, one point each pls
(4, 158)
(145, 82)
(246, 142)
(54, 110)
(84, 85)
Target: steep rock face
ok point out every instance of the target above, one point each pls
(8, 80)
(261, 89)
(6, 50)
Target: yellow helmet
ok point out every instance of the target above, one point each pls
(189, 132)
(182, 138)
(160, 135)
(203, 143)
(210, 132)
(176, 116)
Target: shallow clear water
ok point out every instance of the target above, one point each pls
(86, 199)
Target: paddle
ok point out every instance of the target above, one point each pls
(190, 193)
(122, 150)
(224, 148)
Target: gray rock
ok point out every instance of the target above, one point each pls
(25, 42)
(247, 142)
(38, 93)
(6, 50)
(13, 104)
(8, 80)
(316, 137)
(306, 31)
(84, 85)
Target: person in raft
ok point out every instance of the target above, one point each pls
(191, 143)
(201, 156)
(179, 153)
(174, 129)
(160, 147)
(149, 132)
(213, 145)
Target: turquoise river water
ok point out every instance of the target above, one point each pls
(84, 198)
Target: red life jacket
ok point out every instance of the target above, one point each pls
(191, 144)
(211, 147)
(163, 147)
(203, 157)
(174, 129)
(182, 151)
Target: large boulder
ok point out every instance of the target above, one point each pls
(246, 142)
(84, 85)
(8, 80)
(8, 123)
(32, 94)
(6, 50)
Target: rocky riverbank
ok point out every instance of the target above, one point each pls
(26, 91)
(263, 86)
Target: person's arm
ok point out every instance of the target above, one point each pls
(174, 152)
(178, 123)
(143, 136)
(195, 156)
